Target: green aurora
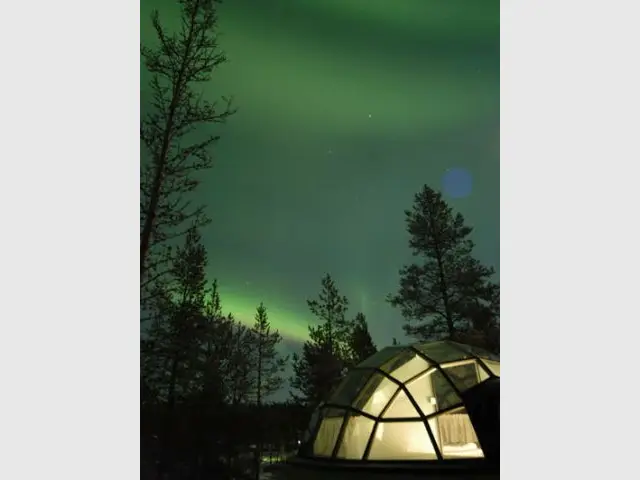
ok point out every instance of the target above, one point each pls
(243, 307)
(346, 107)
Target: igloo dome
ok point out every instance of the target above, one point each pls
(427, 403)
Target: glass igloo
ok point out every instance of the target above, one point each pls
(405, 403)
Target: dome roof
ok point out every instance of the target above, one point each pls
(405, 403)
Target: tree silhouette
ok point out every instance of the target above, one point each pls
(330, 308)
(326, 354)
(178, 336)
(269, 368)
(442, 291)
(316, 370)
(360, 341)
(181, 61)
(225, 396)
(171, 348)
(269, 364)
(196, 371)
(216, 354)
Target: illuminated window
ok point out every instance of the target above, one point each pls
(327, 434)
(376, 395)
(457, 437)
(404, 407)
(405, 366)
(433, 392)
(356, 436)
(401, 407)
(493, 366)
(401, 441)
(464, 374)
(350, 387)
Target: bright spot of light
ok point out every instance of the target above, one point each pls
(379, 398)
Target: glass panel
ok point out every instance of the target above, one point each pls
(482, 373)
(406, 365)
(401, 441)
(493, 366)
(381, 357)
(312, 424)
(376, 394)
(464, 375)
(401, 407)
(328, 432)
(442, 352)
(446, 395)
(350, 387)
(356, 435)
(478, 352)
(457, 437)
(432, 392)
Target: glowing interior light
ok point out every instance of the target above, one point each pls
(414, 435)
(469, 450)
(379, 431)
(379, 398)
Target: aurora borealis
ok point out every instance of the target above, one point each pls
(345, 108)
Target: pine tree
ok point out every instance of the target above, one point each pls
(483, 331)
(360, 341)
(216, 349)
(269, 369)
(185, 314)
(440, 292)
(330, 308)
(181, 62)
(315, 371)
(227, 384)
(326, 354)
(240, 366)
(171, 347)
(269, 364)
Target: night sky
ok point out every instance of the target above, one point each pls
(346, 108)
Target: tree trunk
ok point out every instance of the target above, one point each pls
(259, 405)
(169, 421)
(154, 200)
(445, 295)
